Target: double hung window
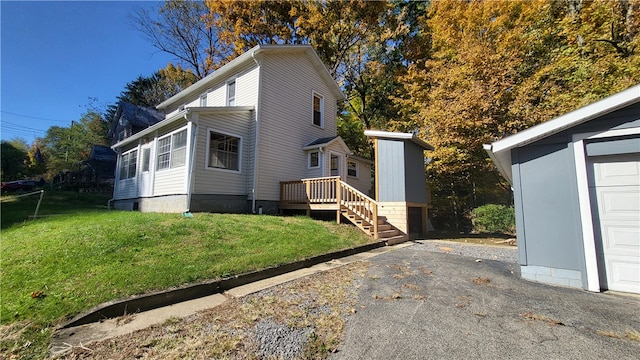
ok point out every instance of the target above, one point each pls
(352, 168)
(172, 150)
(318, 110)
(128, 163)
(224, 151)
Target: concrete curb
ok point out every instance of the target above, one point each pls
(159, 299)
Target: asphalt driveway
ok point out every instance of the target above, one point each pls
(419, 304)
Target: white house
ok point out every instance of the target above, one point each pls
(229, 140)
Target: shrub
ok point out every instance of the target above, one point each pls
(492, 218)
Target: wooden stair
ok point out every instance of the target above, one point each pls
(386, 232)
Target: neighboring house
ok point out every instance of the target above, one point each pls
(130, 119)
(576, 185)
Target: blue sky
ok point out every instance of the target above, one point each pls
(56, 55)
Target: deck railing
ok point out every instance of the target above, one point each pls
(330, 190)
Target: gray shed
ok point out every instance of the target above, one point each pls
(401, 183)
(576, 184)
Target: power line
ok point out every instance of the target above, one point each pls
(10, 125)
(33, 117)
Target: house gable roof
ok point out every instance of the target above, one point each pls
(326, 141)
(500, 151)
(249, 57)
(377, 134)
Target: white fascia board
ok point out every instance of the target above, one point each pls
(184, 114)
(204, 83)
(343, 145)
(229, 68)
(397, 135)
(579, 116)
(502, 160)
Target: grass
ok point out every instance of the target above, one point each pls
(56, 267)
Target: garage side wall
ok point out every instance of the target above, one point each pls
(550, 237)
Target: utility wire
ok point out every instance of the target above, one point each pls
(33, 117)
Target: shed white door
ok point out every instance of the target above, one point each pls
(615, 187)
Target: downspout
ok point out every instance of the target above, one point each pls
(254, 190)
(194, 131)
(324, 168)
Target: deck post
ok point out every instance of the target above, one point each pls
(307, 185)
(338, 186)
(375, 221)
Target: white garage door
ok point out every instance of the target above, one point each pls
(615, 187)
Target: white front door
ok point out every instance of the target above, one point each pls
(145, 187)
(615, 194)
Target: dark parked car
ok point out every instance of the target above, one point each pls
(20, 185)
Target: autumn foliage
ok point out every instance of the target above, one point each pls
(458, 73)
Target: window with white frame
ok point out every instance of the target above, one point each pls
(352, 168)
(314, 159)
(128, 163)
(203, 100)
(172, 150)
(231, 93)
(224, 151)
(318, 110)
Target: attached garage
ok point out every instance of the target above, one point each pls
(576, 184)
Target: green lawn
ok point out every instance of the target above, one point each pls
(58, 266)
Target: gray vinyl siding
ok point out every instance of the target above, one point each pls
(285, 124)
(549, 206)
(217, 181)
(390, 171)
(546, 195)
(415, 178)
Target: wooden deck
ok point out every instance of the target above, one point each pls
(333, 194)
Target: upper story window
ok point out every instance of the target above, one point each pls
(128, 163)
(318, 110)
(203, 100)
(224, 151)
(172, 150)
(352, 168)
(231, 93)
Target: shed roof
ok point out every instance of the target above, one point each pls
(500, 151)
(377, 134)
(249, 57)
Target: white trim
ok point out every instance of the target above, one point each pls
(235, 90)
(313, 110)
(378, 134)
(341, 164)
(250, 55)
(357, 175)
(309, 159)
(207, 151)
(584, 200)
(171, 149)
(502, 148)
(579, 116)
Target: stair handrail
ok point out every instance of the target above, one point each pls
(362, 211)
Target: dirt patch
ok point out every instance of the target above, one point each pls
(304, 318)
